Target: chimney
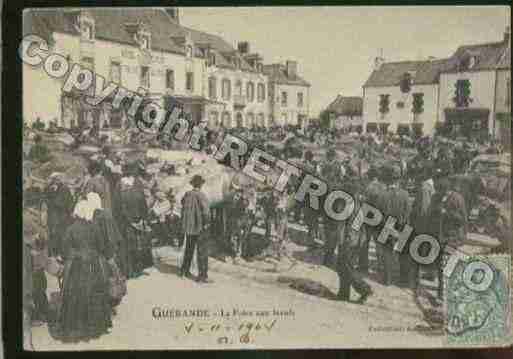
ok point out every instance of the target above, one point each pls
(507, 35)
(291, 68)
(173, 14)
(379, 60)
(243, 47)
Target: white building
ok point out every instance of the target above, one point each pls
(146, 50)
(143, 50)
(234, 83)
(469, 94)
(289, 95)
(475, 90)
(390, 92)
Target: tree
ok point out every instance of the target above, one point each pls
(324, 119)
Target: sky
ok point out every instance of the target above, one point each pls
(336, 46)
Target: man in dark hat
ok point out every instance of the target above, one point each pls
(420, 220)
(374, 195)
(195, 223)
(347, 240)
(310, 214)
(397, 206)
(449, 219)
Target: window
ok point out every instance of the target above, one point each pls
(213, 120)
(211, 59)
(189, 51)
(212, 88)
(417, 104)
(508, 92)
(227, 120)
(88, 63)
(115, 72)
(384, 104)
(284, 98)
(87, 31)
(299, 99)
(227, 89)
(261, 92)
(170, 79)
(145, 77)
(189, 81)
(238, 88)
(145, 42)
(462, 93)
(250, 120)
(261, 120)
(250, 90)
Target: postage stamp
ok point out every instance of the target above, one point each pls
(477, 301)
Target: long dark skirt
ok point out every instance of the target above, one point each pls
(137, 254)
(86, 308)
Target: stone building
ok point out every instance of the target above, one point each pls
(289, 95)
(140, 49)
(148, 51)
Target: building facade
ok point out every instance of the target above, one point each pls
(474, 89)
(402, 97)
(345, 113)
(468, 93)
(234, 83)
(288, 95)
(140, 49)
(148, 51)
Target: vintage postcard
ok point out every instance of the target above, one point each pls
(266, 177)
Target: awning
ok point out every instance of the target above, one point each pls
(467, 112)
(191, 100)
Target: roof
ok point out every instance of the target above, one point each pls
(489, 56)
(110, 24)
(277, 73)
(346, 106)
(390, 73)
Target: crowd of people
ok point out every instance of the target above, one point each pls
(102, 229)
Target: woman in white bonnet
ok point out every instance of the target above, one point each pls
(86, 304)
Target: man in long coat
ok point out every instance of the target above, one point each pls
(450, 219)
(374, 195)
(195, 223)
(347, 247)
(420, 219)
(398, 206)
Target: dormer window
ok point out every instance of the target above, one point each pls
(472, 62)
(88, 32)
(189, 50)
(87, 27)
(211, 59)
(406, 82)
(468, 62)
(145, 42)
